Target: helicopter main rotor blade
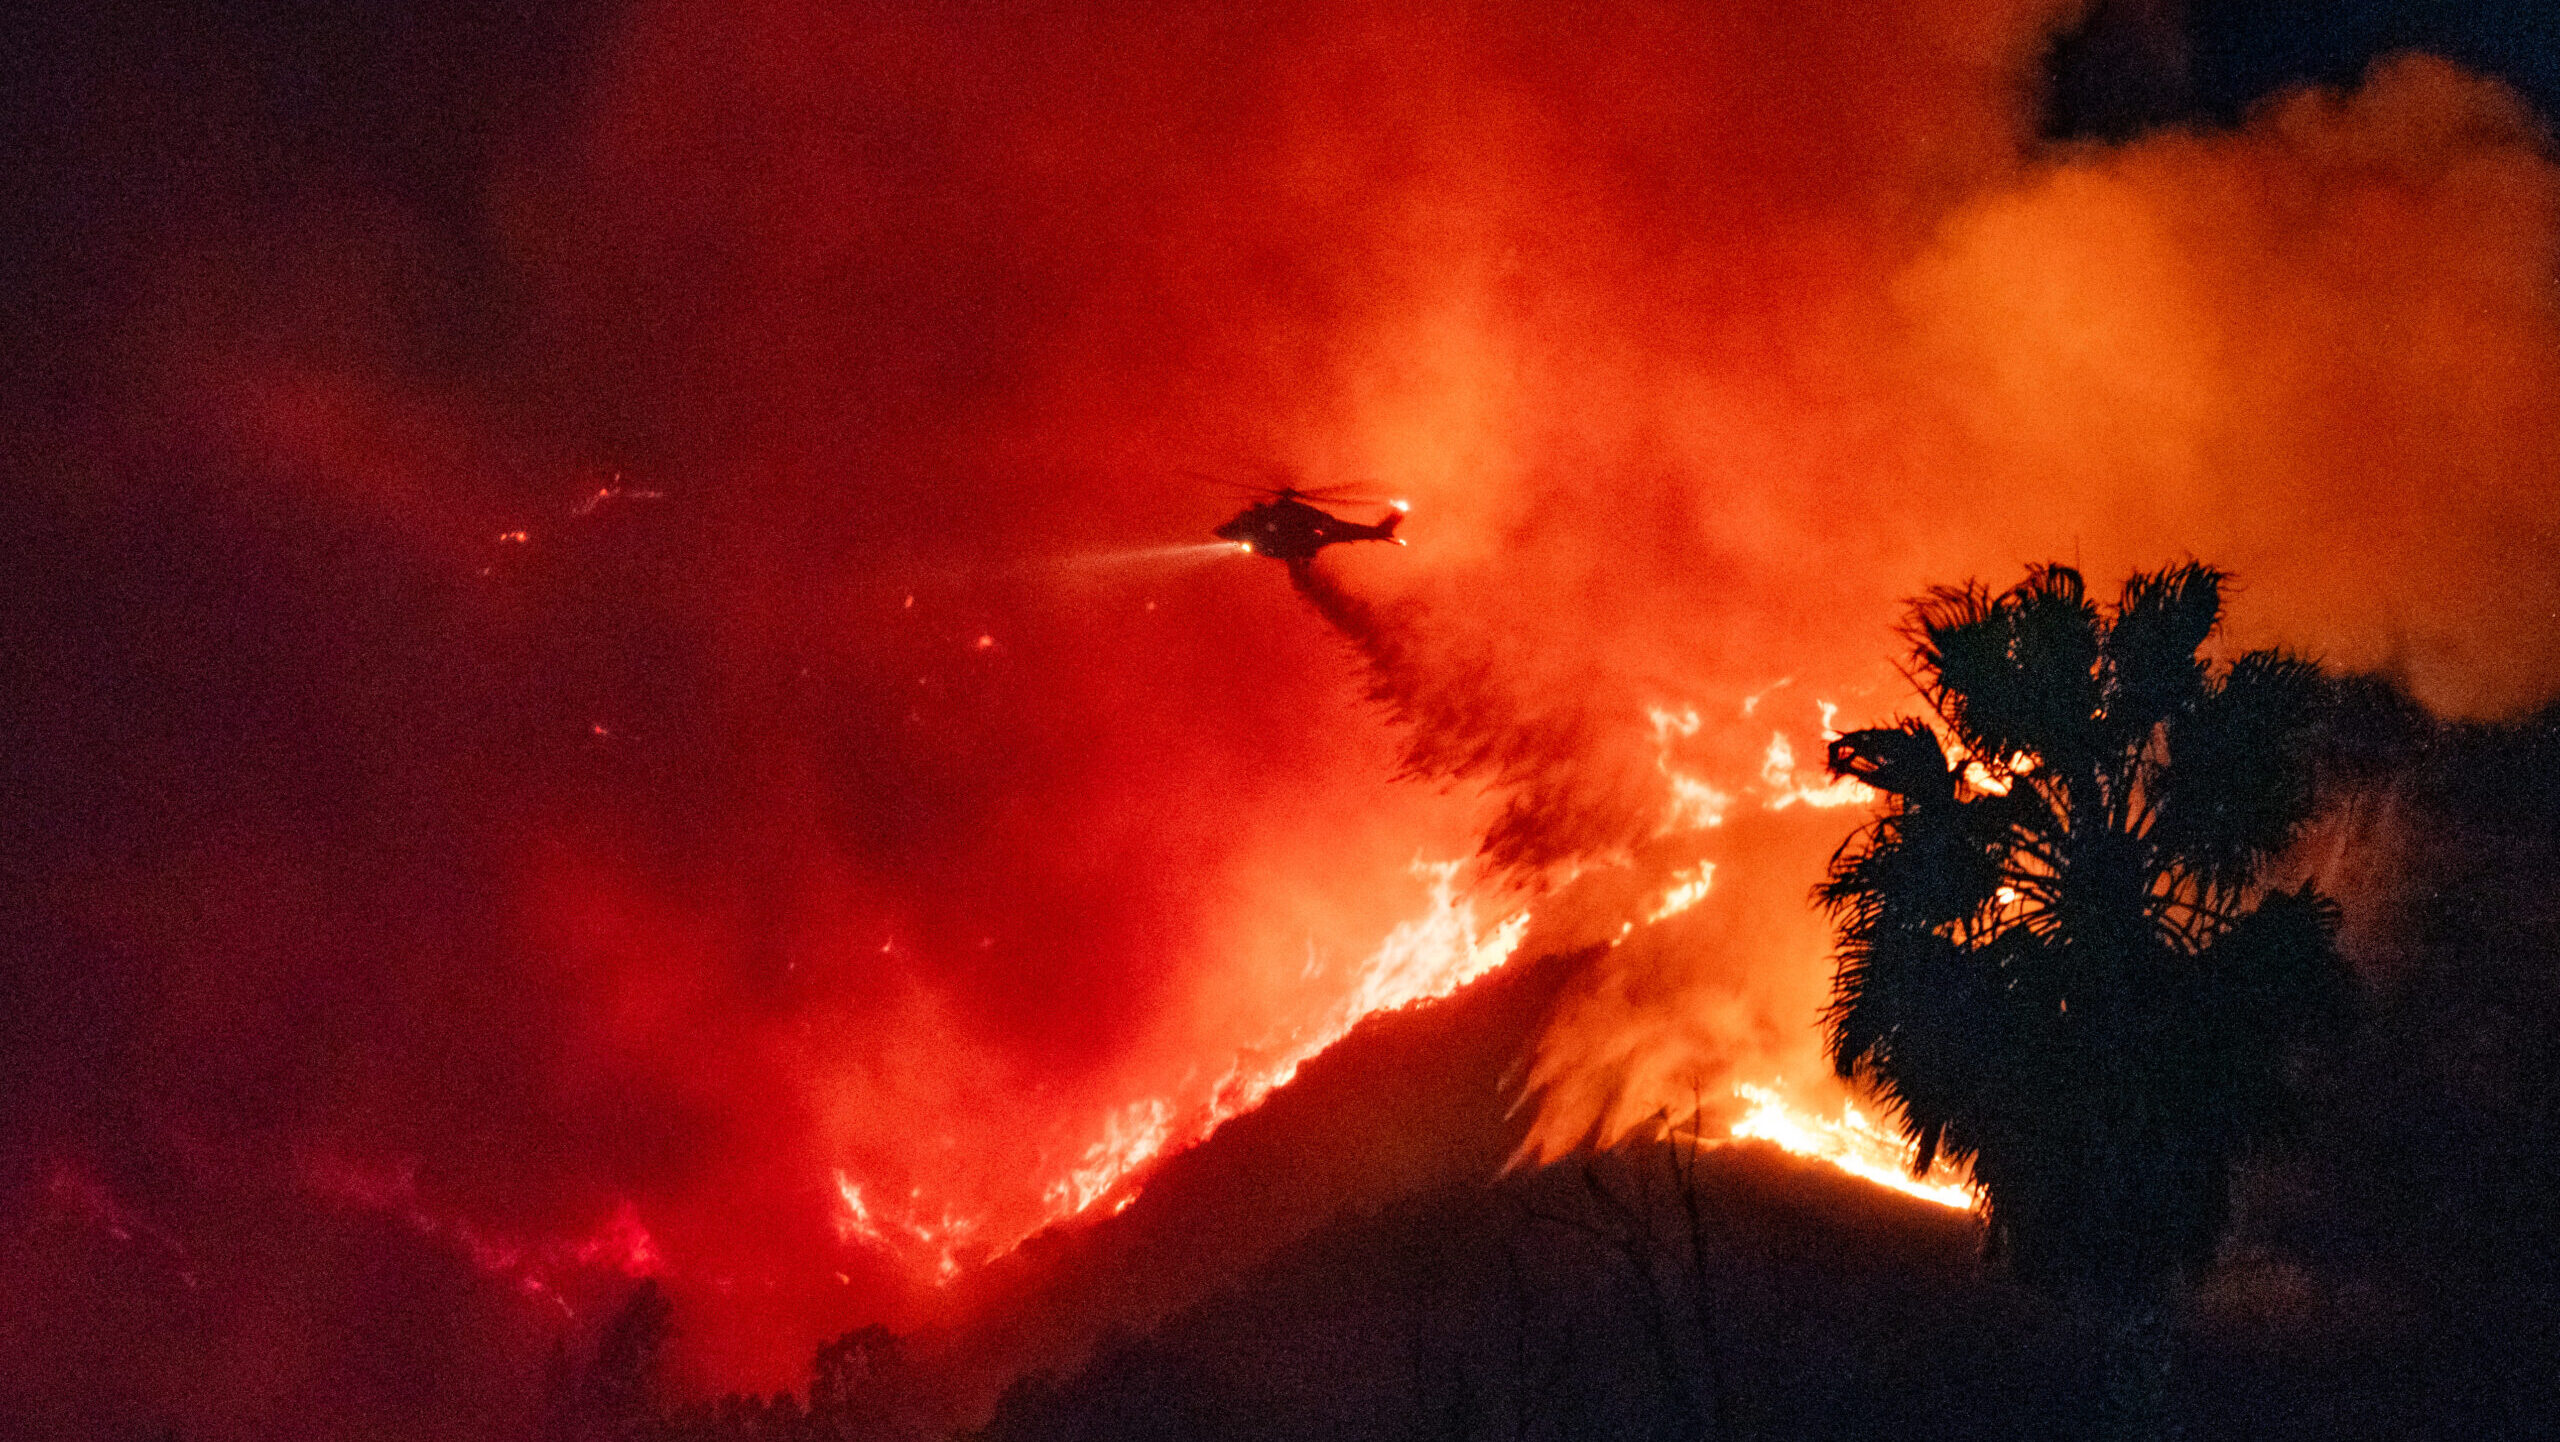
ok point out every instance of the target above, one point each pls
(1348, 494)
(1240, 487)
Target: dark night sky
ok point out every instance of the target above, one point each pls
(414, 932)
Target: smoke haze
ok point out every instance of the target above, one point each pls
(588, 674)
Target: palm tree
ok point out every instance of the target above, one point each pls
(2059, 961)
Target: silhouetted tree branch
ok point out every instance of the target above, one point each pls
(2057, 961)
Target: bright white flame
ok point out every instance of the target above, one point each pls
(1422, 959)
(1981, 776)
(1695, 805)
(1131, 1137)
(1668, 723)
(1688, 889)
(1778, 772)
(1855, 1144)
(1432, 955)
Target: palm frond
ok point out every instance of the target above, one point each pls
(2237, 788)
(2149, 653)
(2016, 672)
(2074, 985)
(1902, 760)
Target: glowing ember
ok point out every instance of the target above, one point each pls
(598, 498)
(1854, 1143)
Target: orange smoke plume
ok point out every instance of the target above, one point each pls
(595, 654)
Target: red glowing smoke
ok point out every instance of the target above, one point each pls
(636, 690)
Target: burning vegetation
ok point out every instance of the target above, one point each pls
(627, 745)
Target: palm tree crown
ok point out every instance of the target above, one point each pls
(2058, 960)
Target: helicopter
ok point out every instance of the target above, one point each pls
(1290, 527)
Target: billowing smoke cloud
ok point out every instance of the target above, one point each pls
(2319, 351)
(590, 712)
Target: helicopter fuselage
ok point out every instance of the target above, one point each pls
(1286, 528)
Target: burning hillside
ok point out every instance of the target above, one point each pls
(619, 666)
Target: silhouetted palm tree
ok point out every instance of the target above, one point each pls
(2058, 962)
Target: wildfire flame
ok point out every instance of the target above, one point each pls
(1695, 805)
(942, 1239)
(1131, 1137)
(620, 1243)
(1688, 889)
(1422, 959)
(1855, 1143)
(1778, 772)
